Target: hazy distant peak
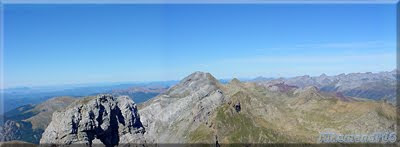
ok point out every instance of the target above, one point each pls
(235, 81)
(261, 78)
(323, 75)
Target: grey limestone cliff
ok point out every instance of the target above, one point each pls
(95, 120)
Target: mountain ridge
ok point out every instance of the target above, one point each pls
(200, 109)
(376, 86)
(28, 122)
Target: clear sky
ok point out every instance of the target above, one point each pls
(67, 44)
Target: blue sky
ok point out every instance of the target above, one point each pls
(70, 44)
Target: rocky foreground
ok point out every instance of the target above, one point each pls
(199, 109)
(99, 119)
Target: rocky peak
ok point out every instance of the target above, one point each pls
(97, 119)
(198, 75)
(282, 87)
(192, 83)
(310, 92)
(235, 81)
(185, 106)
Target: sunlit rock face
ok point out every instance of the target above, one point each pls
(98, 119)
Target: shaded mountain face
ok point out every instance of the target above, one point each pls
(27, 123)
(376, 86)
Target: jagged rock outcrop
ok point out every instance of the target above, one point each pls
(97, 119)
(10, 131)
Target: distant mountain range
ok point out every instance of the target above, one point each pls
(202, 109)
(376, 86)
(141, 94)
(15, 97)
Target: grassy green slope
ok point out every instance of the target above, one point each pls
(273, 117)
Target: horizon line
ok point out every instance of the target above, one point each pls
(91, 84)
